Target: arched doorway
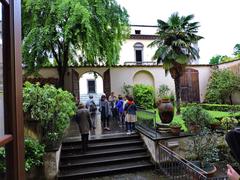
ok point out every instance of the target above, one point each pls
(90, 83)
(143, 77)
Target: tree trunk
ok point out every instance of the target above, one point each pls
(61, 74)
(177, 91)
(230, 98)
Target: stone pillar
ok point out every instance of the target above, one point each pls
(51, 164)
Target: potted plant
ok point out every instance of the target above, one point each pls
(175, 127)
(52, 108)
(195, 118)
(204, 151)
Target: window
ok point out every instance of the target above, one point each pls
(91, 86)
(137, 31)
(138, 48)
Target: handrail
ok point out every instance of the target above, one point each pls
(5, 139)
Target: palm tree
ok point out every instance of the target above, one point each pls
(175, 47)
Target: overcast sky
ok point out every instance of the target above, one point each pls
(219, 20)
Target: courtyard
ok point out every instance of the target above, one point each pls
(85, 93)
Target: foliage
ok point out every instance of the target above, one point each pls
(163, 91)
(144, 95)
(52, 107)
(175, 47)
(34, 152)
(221, 86)
(176, 124)
(228, 123)
(127, 89)
(236, 50)
(204, 147)
(73, 32)
(2, 159)
(215, 59)
(220, 107)
(196, 115)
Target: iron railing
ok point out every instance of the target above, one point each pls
(174, 167)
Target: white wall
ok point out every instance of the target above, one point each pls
(83, 87)
(144, 30)
(127, 52)
(158, 73)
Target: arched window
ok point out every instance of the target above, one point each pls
(138, 48)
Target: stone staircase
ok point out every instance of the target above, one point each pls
(85, 97)
(108, 155)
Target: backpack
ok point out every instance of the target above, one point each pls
(93, 107)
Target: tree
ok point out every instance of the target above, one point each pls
(175, 47)
(222, 84)
(72, 32)
(236, 50)
(215, 59)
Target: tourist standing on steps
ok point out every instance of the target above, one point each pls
(84, 122)
(131, 117)
(92, 107)
(105, 111)
(120, 110)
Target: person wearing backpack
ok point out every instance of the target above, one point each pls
(105, 112)
(120, 110)
(92, 107)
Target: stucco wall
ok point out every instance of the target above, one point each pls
(127, 52)
(121, 75)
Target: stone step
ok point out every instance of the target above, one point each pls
(102, 152)
(102, 170)
(98, 161)
(103, 138)
(101, 145)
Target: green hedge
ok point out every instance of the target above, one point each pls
(217, 107)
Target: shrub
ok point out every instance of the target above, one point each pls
(144, 95)
(196, 115)
(34, 152)
(204, 147)
(52, 107)
(228, 123)
(220, 107)
(2, 159)
(221, 86)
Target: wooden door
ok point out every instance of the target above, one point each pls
(189, 86)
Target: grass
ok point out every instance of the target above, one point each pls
(178, 118)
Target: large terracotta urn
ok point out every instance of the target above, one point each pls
(166, 111)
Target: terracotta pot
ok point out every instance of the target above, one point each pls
(176, 130)
(166, 111)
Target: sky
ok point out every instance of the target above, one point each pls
(219, 20)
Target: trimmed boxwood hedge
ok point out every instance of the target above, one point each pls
(218, 107)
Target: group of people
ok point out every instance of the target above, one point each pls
(121, 109)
